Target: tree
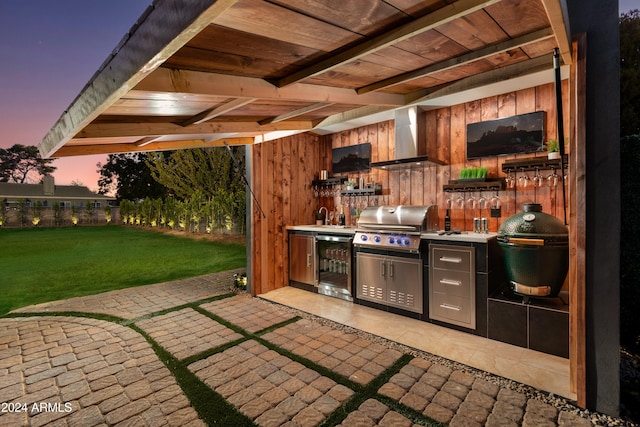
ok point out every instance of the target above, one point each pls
(22, 163)
(629, 74)
(208, 177)
(207, 170)
(130, 177)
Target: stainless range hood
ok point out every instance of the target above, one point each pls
(408, 133)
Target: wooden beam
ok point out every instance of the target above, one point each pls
(146, 141)
(558, 16)
(441, 16)
(197, 82)
(85, 150)
(489, 77)
(354, 114)
(164, 29)
(296, 113)
(218, 111)
(460, 60)
(113, 130)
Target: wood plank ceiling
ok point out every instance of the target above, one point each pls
(203, 72)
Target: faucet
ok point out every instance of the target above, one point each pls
(326, 214)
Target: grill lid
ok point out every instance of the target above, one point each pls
(398, 218)
(534, 224)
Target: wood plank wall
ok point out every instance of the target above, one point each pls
(446, 139)
(282, 172)
(284, 169)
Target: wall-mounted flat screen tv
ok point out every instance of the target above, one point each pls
(353, 158)
(519, 134)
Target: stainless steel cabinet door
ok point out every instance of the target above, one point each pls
(404, 283)
(371, 277)
(302, 259)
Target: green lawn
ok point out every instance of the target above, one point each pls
(48, 264)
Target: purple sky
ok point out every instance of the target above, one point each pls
(49, 49)
(627, 5)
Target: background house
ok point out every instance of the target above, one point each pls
(57, 203)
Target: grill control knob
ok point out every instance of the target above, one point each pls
(391, 240)
(377, 238)
(406, 241)
(364, 238)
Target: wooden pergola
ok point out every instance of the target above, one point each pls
(195, 74)
(204, 73)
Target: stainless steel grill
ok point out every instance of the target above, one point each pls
(395, 227)
(388, 260)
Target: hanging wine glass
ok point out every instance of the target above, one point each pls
(524, 180)
(510, 180)
(482, 202)
(537, 179)
(495, 201)
(553, 178)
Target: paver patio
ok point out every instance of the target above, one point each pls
(266, 364)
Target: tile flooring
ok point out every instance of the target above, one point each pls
(542, 371)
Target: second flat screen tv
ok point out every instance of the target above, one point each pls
(519, 134)
(354, 158)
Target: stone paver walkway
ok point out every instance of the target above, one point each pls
(84, 372)
(186, 332)
(241, 361)
(270, 388)
(143, 300)
(357, 359)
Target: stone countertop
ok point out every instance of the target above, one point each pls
(324, 229)
(464, 236)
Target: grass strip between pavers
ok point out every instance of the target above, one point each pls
(213, 409)
(245, 336)
(278, 325)
(181, 307)
(366, 392)
(207, 353)
(96, 316)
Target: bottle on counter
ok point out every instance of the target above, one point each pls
(341, 218)
(447, 221)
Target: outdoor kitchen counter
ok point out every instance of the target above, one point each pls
(465, 236)
(325, 229)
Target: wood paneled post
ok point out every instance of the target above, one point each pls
(577, 224)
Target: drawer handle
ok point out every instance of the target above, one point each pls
(451, 307)
(451, 260)
(450, 282)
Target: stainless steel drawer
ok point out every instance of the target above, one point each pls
(451, 258)
(456, 283)
(452, 286)
(451, 309)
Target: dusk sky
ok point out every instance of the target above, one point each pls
(49, 49)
